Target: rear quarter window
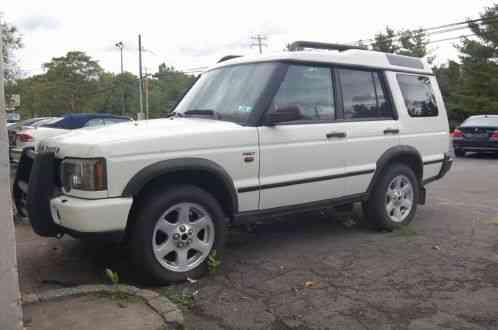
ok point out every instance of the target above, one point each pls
(418, 95)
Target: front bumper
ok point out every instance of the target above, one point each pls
(90, 216)
(38, 195)
(475, 145)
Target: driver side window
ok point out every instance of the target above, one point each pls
(310, 89)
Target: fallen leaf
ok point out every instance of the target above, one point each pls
(311, 284)
(436, 247)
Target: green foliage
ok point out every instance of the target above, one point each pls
(404, 42)
(214, 262)
(471, 87)
(11, 42)
(184, 298)
(112, 276)
(76, 83)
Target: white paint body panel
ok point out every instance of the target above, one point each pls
(129, 147)
(87, 216)
(300, 152)
(429, 135)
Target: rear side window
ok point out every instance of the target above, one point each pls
(418, 95)
(362, 95)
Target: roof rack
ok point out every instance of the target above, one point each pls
(300, 45)
(228, 57)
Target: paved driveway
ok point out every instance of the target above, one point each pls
(313, 271)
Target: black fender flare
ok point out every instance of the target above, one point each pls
(149, 173)
(395, 152)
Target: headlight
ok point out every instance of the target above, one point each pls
(84, 174)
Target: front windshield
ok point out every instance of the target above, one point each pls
(228, 93)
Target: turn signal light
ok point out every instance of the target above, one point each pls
(457, 133)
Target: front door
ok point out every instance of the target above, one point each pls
(303, 161)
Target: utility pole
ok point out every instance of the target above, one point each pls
(120, 45)
(259, 40)
(140, 84)
(146, 83)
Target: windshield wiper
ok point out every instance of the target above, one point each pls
(203, 112)
(174, 114)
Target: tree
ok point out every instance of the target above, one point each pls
(385, 42)
(11, 42)
(404, 42)
(474, 90)
(73, 80)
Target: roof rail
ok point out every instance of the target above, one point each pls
(228, 57)
(300, 45)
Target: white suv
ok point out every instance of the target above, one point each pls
(254, 137)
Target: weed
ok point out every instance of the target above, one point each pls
(213, 262)
(165, 327)
(112, 276)
(183, 298)
(406, 231)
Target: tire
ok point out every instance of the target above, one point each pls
(158, 226)
(386, 195)
(459, 153)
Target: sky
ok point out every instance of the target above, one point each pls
(194, 34)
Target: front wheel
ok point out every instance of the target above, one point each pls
(394, 198)
(175, 232)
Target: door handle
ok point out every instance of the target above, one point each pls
(335, 135)
(391, 131)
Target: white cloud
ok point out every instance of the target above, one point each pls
(190, 33)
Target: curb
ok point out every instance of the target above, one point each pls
(169, 312)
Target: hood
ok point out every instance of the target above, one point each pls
(148, 136)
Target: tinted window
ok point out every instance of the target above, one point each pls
(363, 95)
(310, 88)
(419, 97)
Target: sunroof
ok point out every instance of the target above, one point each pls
(409, 62)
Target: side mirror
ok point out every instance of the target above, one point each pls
(290, 112)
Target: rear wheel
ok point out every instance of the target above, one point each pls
(175, 232)
(393, 201)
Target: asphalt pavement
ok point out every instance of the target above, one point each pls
(320, 271)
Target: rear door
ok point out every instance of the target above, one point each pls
(303, 161)
(423, 118)
(370, 121)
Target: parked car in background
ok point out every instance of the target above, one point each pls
(24, 124)
(30, 136)
(477, 134)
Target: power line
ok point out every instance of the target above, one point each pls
(486, 20)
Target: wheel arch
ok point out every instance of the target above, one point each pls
(404, 154)
(200, 172)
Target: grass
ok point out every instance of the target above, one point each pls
(213, 262)
(183, 298)
(405, 231)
